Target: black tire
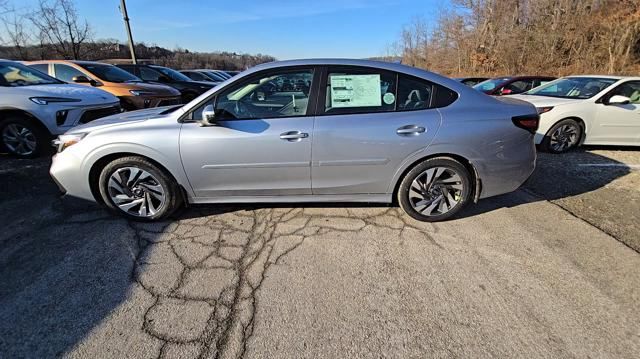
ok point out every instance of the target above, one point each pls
(41, 137)
(553, 144)
(436, 189)
(170, 188)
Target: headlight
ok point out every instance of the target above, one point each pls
(542, 110)
(140, 93)
(64, 141)
(48, 100)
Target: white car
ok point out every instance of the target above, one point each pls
(34, 107)
(591, 110)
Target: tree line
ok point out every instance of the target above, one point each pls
(53, 29)
(508, 37)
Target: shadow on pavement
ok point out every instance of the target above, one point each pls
(65, 265)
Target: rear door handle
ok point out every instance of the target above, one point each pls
(410, 130)
(293, 136)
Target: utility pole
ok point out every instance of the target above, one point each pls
(123, 9)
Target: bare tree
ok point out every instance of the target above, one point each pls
(58, 25)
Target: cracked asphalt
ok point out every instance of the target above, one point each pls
(530, 274)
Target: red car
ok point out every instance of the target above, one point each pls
(511, 85)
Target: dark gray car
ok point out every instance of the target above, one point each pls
(307, 131)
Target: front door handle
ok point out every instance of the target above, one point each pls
(293, 136)
(410, 130)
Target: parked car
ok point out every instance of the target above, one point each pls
(500, 86)
(430, 142)
(132, 92)
(189, 89)
(197, 75)
(221, 73)
(471, 81)
(34, 107)
(592, 110)
(233, 73)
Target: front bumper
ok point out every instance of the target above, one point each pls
(67, 174)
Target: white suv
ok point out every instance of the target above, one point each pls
(34, 107)
(592, 110)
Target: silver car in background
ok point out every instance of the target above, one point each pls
(307, 131)
(34, 107)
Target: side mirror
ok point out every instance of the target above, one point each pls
(81, 80)
(618, 100)
(208, 116)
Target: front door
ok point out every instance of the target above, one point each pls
(618, 124)
(260, 143)
(369, 123)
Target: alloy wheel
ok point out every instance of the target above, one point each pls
(136, 192)
(19, 139)
(436, 191)
(564, 138)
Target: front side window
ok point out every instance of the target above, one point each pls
(109, 73)
(359, 90)
(14, 74)
(44, 68)
(629, 89)
(573, 87)
(66, 73)
(266, 97)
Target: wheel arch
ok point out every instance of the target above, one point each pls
(7, 112)
(99, 165)
(582, 123)
(476, 183)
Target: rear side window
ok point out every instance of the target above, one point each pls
(353, 90)
(66, 73)
(419, 94)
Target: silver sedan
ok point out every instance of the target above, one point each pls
(307, 131)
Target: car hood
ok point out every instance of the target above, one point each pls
(86, 95)
(545, 101)
(122, 119)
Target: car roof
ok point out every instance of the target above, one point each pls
(77, 62)
(614, 77)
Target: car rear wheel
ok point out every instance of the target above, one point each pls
(435, 190)
(22, 138)
(562, 137)
(137, 189)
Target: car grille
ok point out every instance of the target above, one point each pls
(91, 115)
(170, 102)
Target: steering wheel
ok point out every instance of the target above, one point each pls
(242, 110)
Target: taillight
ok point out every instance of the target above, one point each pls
(527, 122)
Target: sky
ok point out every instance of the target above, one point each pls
(285, 29)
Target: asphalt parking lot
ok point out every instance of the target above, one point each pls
(551, 270)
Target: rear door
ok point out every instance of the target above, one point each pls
(366, 125)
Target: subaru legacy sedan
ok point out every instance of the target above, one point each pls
(350, 131)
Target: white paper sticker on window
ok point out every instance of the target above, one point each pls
(355, 90)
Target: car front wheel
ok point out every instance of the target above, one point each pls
(562, 137)
(435, 189)
(21, 138)
(136, 188)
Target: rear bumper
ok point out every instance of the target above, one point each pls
(507, 170)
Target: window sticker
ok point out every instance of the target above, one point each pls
(389, 98)
(355, 91)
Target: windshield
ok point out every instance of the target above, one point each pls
(171, 73)
(573, 87)
(491, 84)
(110, 73)
(13, 74)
